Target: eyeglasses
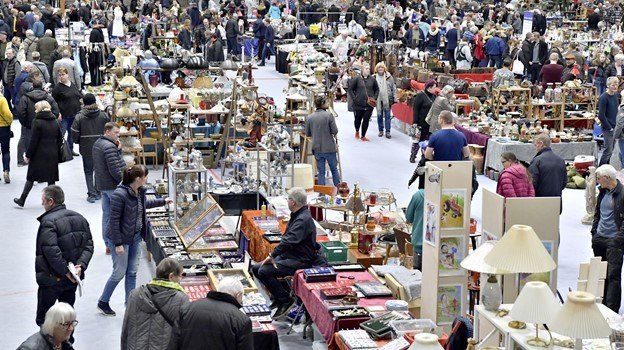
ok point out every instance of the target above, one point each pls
(66, 325)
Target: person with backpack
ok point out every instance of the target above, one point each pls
(463, 56)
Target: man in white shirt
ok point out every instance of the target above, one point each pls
(340, 47)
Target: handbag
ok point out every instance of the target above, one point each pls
(518, 67)
(11, 134)
(65, 154)
(369, 100)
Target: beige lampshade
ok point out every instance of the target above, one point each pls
(426, 341)
(125, 112)
(203, 82)
(304, 176)
(535, 304)
(580, 318)
(128, 81)
(219, 108)
(520, 251)
(474, 261)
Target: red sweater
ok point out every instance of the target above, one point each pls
(550, 74)
(514, 182)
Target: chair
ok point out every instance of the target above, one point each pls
(143, 154)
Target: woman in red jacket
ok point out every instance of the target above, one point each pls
(515, 180)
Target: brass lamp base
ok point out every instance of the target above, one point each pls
(539, 342)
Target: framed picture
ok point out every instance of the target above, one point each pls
(453, 208)
(449, 303)
(431, 223)
(452, 252)
(545, 277)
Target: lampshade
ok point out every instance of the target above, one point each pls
(304, 176)
(580, 318)
(203, 82)
(474, 261)
(218, 109)
(128, 81)
(426, 341)
(520, 251)
(535, 304)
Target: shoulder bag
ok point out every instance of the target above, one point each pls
(161, 312)
(518, 66)
(369, 100)
(65, 154)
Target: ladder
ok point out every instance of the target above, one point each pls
(157, 121)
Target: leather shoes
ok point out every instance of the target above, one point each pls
(283, 309)
(76, 154)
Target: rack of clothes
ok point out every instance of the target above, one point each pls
(92, 57)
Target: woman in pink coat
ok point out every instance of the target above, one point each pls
(515, 180)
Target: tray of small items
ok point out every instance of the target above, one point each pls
(350, 313)
(319, 274)
(231, 256)
(196, 292)
(256, 310)
(218, 238)
(336, 293)
(380, 327)
(357, 339)
(222, 245)
(272, 238)
(373, 289)
(164, 233)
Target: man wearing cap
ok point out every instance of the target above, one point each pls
(86, 129)
(571, 70)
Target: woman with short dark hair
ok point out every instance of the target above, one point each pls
(125, 229)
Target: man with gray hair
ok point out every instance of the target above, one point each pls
(216, 321)
(70, 65)
(608, 106)
(297, 250)
(40, 67)
(607, 235)
(12, 68)
(547, 169)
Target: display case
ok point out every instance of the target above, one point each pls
(186, 186)
(243, 276)
(194, 224)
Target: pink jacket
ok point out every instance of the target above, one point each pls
(514, 182)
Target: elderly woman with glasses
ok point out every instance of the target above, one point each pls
(60, 322)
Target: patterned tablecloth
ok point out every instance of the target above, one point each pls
(526, 151)
(259, 248)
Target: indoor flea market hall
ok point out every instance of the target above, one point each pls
(312, 174)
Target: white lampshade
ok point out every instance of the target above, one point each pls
(535, 304)
(426, 341)
(520, 251)
(304, 176)
(580, 318)
(474, 261)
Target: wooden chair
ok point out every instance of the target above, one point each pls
(143, 154)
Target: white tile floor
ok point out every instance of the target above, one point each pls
(376, 164)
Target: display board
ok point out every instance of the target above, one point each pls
(493, 210)
(197, 220)
(446, 237)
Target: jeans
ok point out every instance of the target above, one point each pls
(232, 46)
(9, 92)
(608, 147)
(87, 166)
(610, 250)
(64, 292)
(267, 47)
(534, 72)
(268, 274)
(495, 61)
(599, 83)
(22, 144)
(5, 142)
(105, 212)
(383, 119)
(124, 265)
(66, 124)
(333, 167)
(362, 118)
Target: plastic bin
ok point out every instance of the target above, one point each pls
(335, 251)
(404, 327)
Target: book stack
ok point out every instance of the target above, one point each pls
(319, 274)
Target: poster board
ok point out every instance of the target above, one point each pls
(446, 238)
(493, 211)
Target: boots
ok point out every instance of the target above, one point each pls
(22, 199)
(414, 153)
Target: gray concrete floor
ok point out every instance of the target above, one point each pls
(376, 164)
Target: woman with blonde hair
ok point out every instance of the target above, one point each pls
(385, 99)
(44, 150)
(56, 331)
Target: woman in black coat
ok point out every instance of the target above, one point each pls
(360, 88)
(43, 152)
(421, 105)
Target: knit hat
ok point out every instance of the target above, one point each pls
(88, 99)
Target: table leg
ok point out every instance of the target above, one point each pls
(475, 332)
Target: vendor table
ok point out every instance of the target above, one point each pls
(526, 151)
(340, 344)
(259, 248)
(234, 203)
(151, 243)
(320, 315)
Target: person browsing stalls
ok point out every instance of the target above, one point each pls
(297, 250)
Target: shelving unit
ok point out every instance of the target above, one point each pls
(512, 98)
(576, 102)
(182, 187)
(269, 178)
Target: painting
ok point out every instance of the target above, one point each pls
(523, 278)
(452, 252)
(453, 208)
(449, 303)
(431, 223)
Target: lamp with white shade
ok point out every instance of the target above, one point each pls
(536, 304)
(491, 295)
(426, 341)
(520, 251)
(579, 318)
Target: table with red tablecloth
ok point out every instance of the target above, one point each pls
(473, 138)
(320, 315)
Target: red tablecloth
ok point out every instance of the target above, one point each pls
(326, 324)
(472, 137)
(475, 77)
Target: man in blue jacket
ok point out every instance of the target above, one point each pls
(269, 38)
(452, 37)
(494, 49)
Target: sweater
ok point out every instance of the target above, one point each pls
(607, 110)
(68, 99)
(514, 182)
(6, 117)
(550, 74)
(414, 215)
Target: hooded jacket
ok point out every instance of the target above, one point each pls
(88, 127)
(514, 182)
(26, 106)
(144, 327)
(44, 148)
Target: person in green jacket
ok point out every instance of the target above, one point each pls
(414, 216)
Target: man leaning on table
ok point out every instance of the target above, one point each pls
(297, 250)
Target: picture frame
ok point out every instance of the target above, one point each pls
(452, 252)
(431, 223)
(449, 303)
(453, 208)
(243, 276)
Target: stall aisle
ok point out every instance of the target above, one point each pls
(376, 164)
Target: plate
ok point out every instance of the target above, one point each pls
(221, 190)
(236, 189)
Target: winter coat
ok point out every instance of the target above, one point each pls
(618, 209)
(63, 237)
(619, 124)
(6, 117)
(46, 46)
(29, 45)
(26, 106)
(69, 99)
(38, 29)
(358, 88)
(88, 127)
(144, 327)
(439, 105)
(214, 323)
(298, 248)
(526, 53)
(495, 46)
(11, 69)
(214, 53)
(43, 69)
(611, 71)
(321, 127)
(184, 37)
(107, 164)
(539, 23)
(72, 71)
(391, 87)
(44, 148)
(452, 38)
(421, 105)
(549, 173)
(124, 207)
(514, 182)
(40, 341)
(433, 41)
(231, 29)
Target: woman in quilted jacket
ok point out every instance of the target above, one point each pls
(515, 180)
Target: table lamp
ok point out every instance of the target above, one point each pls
(426, 341)
(535, 304)
(579, 318)
(520, 251)
(491, 295)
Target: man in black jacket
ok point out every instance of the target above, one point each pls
(297, 250)
(539, 22)
(214, 53)
(63, 237)
(108, 166)
(526, 52)
(269, 38)
(593, 19)
(86, 129)
(231, 35)
(607, 235)
(547, 169)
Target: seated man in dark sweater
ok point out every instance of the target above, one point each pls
(297, 250)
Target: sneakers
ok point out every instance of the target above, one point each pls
(105, 309)
(357, 134)
(380, 134)
(98, 196)
(91, 199)
(283, 309)
(388, 135)
(365, 139)
(7, 179)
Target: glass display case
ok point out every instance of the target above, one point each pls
(186, 186)
(197, 220)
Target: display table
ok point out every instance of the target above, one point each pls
(474, 138)
(259, 248)
(320, 315)
(340, 344)
(364, 259)
(234, 203)
(151, 243)
(526, 151)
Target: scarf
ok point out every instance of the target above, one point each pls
(167, 284)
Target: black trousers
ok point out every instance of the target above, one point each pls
(611, 251)
(64, 291)
(268, 275)
(362, 118)
(535, 71)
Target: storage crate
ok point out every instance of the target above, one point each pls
(335, 251)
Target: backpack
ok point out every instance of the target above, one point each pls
(460, 55)
(461, 331)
